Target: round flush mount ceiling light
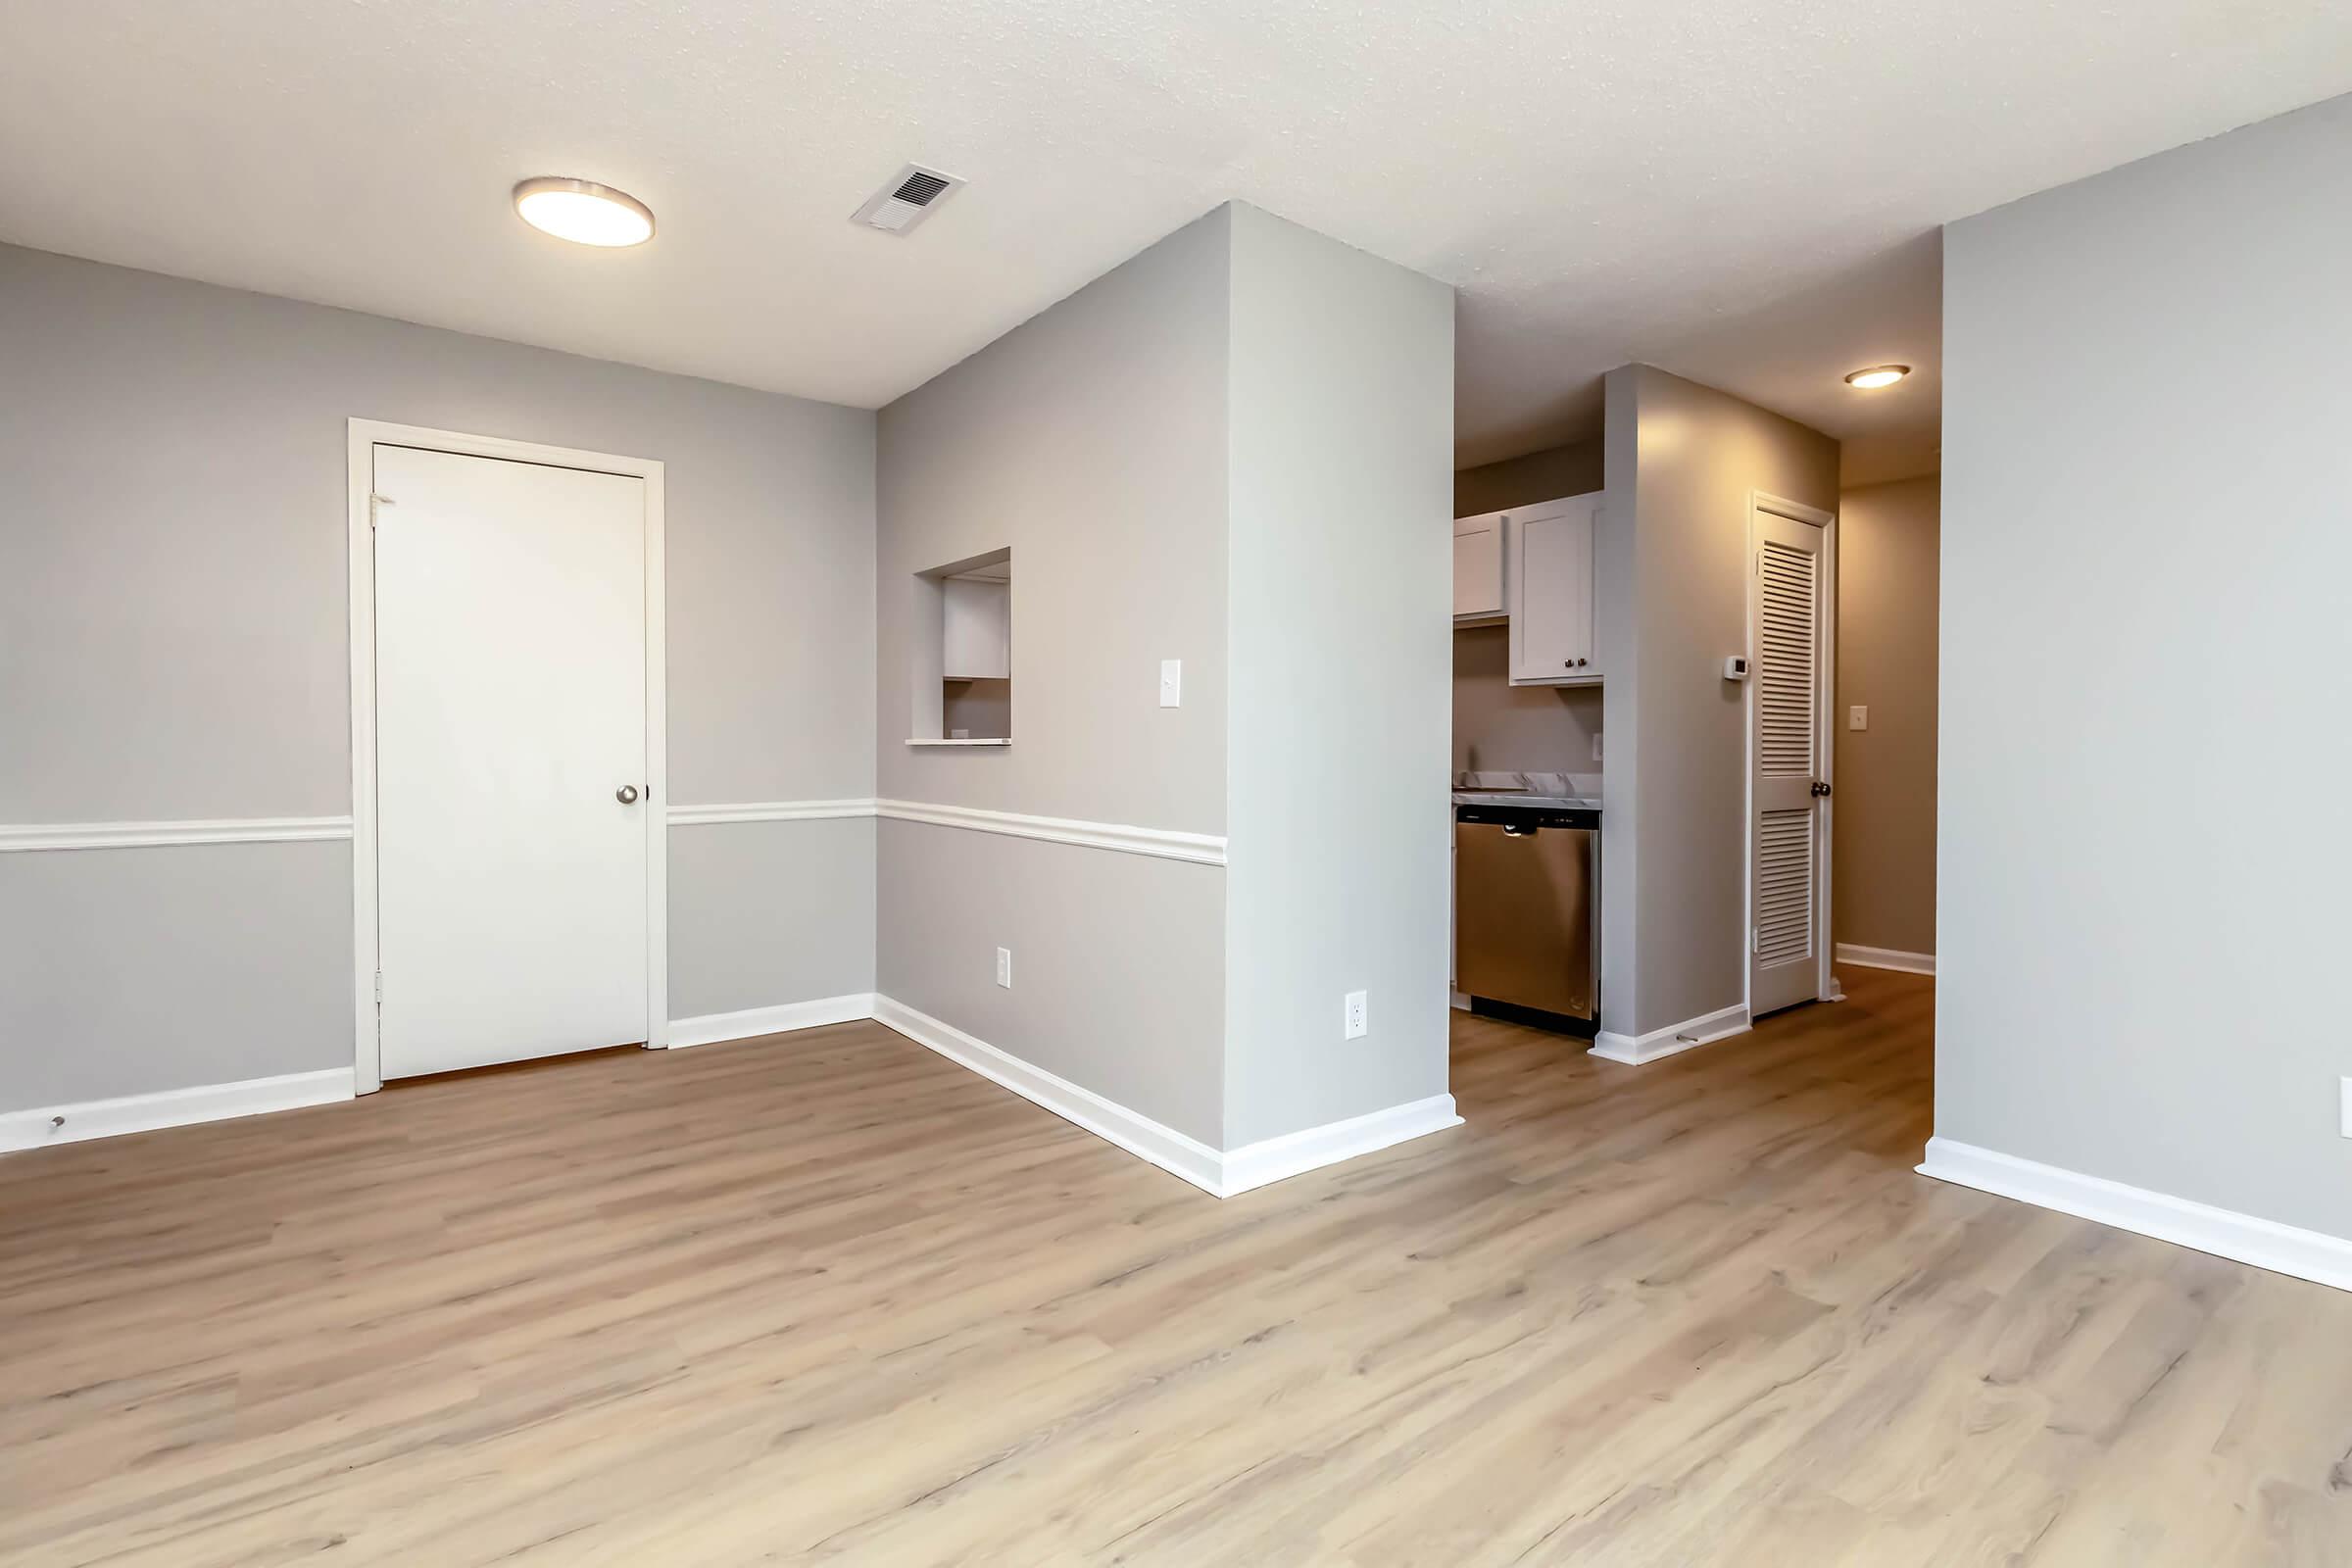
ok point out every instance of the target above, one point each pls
(584, 211)
(1878, 375)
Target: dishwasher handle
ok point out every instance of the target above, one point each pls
(1518, 830)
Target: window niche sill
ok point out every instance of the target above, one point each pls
(1000, 740)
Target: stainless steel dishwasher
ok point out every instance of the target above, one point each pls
(1527, 917)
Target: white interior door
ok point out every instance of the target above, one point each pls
(511, 723)
(1788, 852)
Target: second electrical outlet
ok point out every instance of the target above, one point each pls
(1005, 968)
(1358, 1011)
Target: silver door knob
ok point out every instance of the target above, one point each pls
(626, 795)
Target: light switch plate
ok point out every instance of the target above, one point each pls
(2346, 1090)
(1597, 747)
(1358, 1015)
(1171, 682)
(1858, 717)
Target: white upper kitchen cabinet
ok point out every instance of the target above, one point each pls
(1549, 575)
(975, 629)
(1477, 567)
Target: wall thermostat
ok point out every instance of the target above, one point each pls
(1734, 668)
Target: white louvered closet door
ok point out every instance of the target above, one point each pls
(1788, 901)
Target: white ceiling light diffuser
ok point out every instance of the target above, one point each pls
(1877, 375)
(583, 212)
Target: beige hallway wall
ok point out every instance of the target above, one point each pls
(1883, 863)
(1573, 470)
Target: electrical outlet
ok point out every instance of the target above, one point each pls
(1597, 747)
(1005, 968)
(1171, 682)
(1858, 717)
(2345, 1087)
(1358, 1015)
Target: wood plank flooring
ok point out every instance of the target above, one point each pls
(830, 1298)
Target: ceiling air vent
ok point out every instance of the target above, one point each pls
(899, 205)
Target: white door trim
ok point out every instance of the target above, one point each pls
(365, 435)
(1826, 986)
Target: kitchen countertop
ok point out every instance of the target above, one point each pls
(1576, 803)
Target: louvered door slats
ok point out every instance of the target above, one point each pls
(1785, 875)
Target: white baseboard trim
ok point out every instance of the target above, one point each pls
(1294, 1154)
(1675, 1038)
(1221, 1174)
(2305, 1254)
(1138, 1134)
(711, 1028)
(172, 1107)
(1885, 958)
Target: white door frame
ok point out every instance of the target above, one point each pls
(1825, 737)
(365, 436)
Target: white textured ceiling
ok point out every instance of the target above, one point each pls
(1742, 191)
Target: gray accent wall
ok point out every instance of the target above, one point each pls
(1090, 441)
(1341, 628)
(128, 971)
(1698, 457)
(1117, 969)
(1614, 606)
(172, 646)
(770, 912)
(1233, 450)
(2147, 466)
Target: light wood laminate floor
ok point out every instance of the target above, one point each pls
(829, 1297)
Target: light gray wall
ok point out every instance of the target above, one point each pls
(2147, 466)
(774, 913)
(1885, 821)
(1341, 632)
(1615, 610)
(128, 972)
(1573, 470)
(1701, 454)
(1091, 440)
(1117, 969)
(173, 640)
